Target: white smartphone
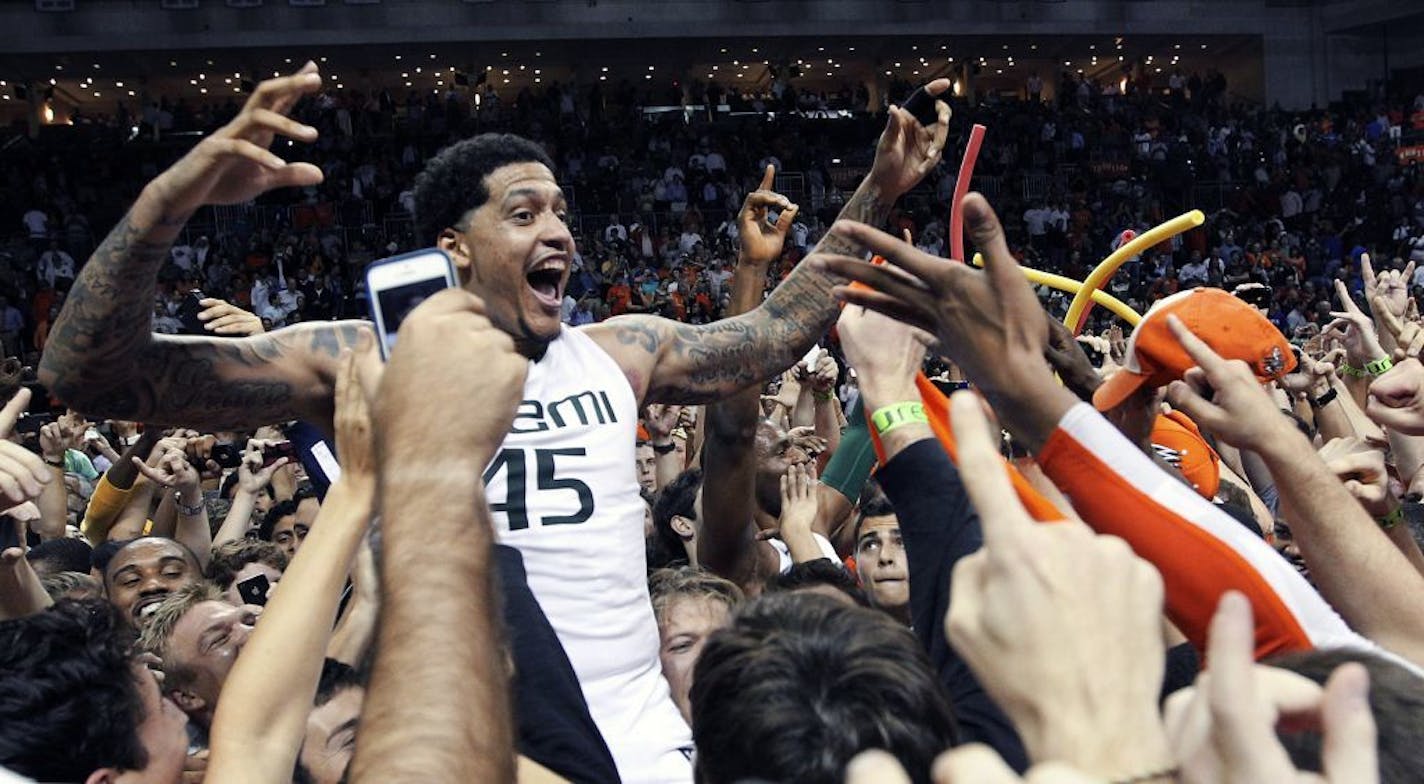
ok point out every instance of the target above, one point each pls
(395, 286)
(812, 357)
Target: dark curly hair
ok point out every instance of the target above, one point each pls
(277, 512)
(453, 182)
(799, 684)
(69, 703)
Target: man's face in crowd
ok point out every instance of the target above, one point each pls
(880, 561)
(206, 642)
(163, 732)
(289, 534)
(143, 572)
(515, 251)
(685, 626)
(776, 453)
(646, 460)
(330, 740)
(248, 571)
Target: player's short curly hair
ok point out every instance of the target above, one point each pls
(453, 182)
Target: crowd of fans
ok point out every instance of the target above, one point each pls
(769, 536)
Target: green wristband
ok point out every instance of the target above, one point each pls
(1392, 519)
(1347, 370)
(897, 415)
(1379, 367)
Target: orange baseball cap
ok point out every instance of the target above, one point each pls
(1231, 327)
(1179, 442)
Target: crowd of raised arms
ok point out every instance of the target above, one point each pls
(733, 503)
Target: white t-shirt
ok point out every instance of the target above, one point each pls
(563, 490)
(55, 264)
(1037, 220)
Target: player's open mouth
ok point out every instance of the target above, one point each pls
(547, 280)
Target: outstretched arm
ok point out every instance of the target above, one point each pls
(683, 363)
(726, 543)
(101, 356)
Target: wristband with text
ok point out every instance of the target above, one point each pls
(898, 415)
(1379, 366)
(1392, 519)
(1347, 370)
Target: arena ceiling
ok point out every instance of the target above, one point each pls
(94, 82)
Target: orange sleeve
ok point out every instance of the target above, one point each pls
(1200, 551)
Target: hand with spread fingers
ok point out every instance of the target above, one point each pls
(761, 240)
(221, 317)
(234, 164)
(988, 322)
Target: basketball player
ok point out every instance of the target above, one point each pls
(562, 488)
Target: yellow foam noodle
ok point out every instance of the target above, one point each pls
(1127, 250)
(1116, 306)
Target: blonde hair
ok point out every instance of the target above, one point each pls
(158, 628)
(690, 582)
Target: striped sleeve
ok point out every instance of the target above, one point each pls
(1200, 550)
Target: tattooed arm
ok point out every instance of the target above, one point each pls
(669, 362)
(102, 357)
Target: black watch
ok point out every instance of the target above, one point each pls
(1325, 399)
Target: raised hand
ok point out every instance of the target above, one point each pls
(1075, 663)
(173, 471)
(1397, 398)
(221, 317)
(53, 443)
(805, 439)
(1312, 376)
(1354, 328)
(421, 379)
(885, 353)
(988, 322)
(251, 475)
(1407, 333)
(762, 241)
(1064, 352)
(353, 414)
(907, 151)
(1223, 729)
(233, 165)
(798, 499)
(1390, 287)
(1362, 469)
(1239, 410)
(23, 474)
(660, 420)
(823, 376)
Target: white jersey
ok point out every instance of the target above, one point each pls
(563, 490)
